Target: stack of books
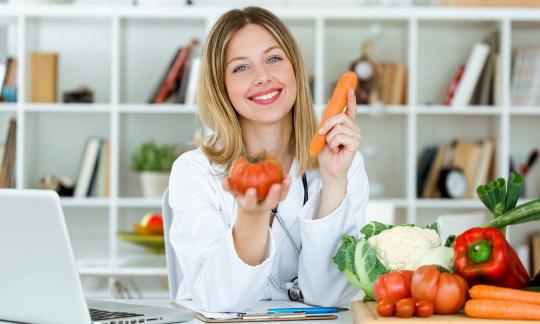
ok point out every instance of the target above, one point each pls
(478, 81)
(94, 172)
(179, 81)
(526, 76)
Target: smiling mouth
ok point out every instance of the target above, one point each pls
(267, 98)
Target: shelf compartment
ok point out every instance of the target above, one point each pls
(384, 154)
(135, 129)
(525, 33)
(442, 47)
(88, 56)
(85, 202)
(339, 52)
(55, 143)
(147, 45)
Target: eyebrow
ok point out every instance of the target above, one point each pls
(245, 57)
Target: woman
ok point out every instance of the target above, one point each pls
(233, 250)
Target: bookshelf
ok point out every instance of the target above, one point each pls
(123, 51)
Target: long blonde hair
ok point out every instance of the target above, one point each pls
(216, 110)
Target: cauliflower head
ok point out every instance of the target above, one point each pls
(403, 247)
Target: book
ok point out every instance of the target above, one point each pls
(424, 164)
(174, 74)
(7, 176)
(183, 83)
(158, 86)
(8, 88)
(526, 76)
(535, 253)
(87, 167)
(193, 82)
(453, 85)
(473, 68)
(467, 157)
(99, 183)
(44, 77)
(399, 85)
(430, 185)
(2, 149)
(485, 164)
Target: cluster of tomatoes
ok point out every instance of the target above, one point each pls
(428, 290)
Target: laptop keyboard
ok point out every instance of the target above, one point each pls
(99, 315)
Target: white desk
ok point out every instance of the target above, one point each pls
(343, 318)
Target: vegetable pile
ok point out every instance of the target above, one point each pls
(408, 272)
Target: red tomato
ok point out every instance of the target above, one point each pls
(424, 308)
(446, 291)
(385, 307)
(393, 285)
(259, 172)
(405, 307)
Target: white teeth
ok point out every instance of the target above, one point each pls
(267, 96)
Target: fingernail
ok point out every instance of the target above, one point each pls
(321, 131)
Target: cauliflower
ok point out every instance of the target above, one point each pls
(403, 247)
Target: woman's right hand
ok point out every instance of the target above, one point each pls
(250, 232)
(248, 203)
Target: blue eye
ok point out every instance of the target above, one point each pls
(237, 69)
(277, 58)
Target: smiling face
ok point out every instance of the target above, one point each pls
(259, 77)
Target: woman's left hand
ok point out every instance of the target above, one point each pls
(342, 141)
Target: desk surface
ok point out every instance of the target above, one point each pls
(343, 318)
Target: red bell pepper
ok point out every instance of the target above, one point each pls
(484, 256)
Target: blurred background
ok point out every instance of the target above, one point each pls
(98, 100)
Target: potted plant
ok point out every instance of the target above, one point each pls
(154, 163)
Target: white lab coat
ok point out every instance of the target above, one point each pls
(214, 275)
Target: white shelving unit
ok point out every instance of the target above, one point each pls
(120, 52)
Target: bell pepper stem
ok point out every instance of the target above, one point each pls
(480, 251)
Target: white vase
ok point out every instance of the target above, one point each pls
(154, 183)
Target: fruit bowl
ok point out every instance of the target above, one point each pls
(153, 243)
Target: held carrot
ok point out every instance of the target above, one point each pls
(500, 293)
(501, 309)
(335, 106)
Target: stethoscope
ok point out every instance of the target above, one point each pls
(293, 289)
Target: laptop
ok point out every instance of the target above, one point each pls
(38, 276)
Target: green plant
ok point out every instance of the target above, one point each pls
(153, 158)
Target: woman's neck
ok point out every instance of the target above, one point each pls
(271, 138)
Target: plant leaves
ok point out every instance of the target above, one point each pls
(373, 228)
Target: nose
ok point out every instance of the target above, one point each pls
(262, 77)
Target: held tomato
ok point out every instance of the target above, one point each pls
(405, 307)
(385, 307)
(446, 291)
(259, 172)
(393, 285)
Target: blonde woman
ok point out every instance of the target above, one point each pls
(234, 250)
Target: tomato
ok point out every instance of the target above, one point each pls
(394, 285)
(446, 291)
(405, 307)
(385, 307)
(423, 308)
(259, 172)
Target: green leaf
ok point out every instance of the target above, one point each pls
(514, 189)
(434, 226)
(151, 157)
(344, 257)
(450, 241)
(374, 228)
(368, 267)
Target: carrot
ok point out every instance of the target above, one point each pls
(502, 309)
(500, 293)
(335, 106)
